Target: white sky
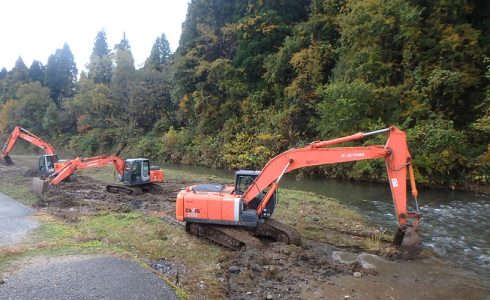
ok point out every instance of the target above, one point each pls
(34, 29)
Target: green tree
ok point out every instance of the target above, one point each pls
(33, 99)
(122, 78)
(92, 106)
(61, 74)
(100, 67)
(160, 54)
(101, 47)
(36, 71)
(150, 106)
(3, 73)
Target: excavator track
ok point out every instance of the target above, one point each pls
(120, 189)
(232, 237)
(279, 232)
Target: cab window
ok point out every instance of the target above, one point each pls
(243, 183)
(42, 164)
(146, 168)
(50, 163)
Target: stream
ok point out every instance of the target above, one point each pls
(455, 225)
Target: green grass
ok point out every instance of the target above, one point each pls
(312, 214)
(128, 234)
(149, 237)
(20, 192)
(106, 175)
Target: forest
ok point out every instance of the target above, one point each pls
(251, 79)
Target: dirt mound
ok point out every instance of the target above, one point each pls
(282, 271)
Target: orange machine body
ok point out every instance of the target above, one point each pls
(216, 206)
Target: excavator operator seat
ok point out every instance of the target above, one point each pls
(136, 171)
(46, 164)
(243, 180)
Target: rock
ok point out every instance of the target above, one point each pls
(249, 293)
(2, 281)
(346, 297)
(256, 267)
(370, 261)
(269, 297)
(200, 284)
(234, 269)
(357, 274)
(344, 257)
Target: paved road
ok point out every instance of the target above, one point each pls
(15, 220)
(71, 277)
(85, 277)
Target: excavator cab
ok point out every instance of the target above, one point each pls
(245, 178)
(136, 171)
(46, 164)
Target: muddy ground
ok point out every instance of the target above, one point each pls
(276, 271)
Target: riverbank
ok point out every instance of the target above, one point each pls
(79, 217)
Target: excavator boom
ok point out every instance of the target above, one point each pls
(395, 152)
(85, 163)
(28, 136)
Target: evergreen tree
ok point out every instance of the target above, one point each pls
(61, 74)
(160, 54)
(36, 71)
(3, 73)
(100, 67)
(20, 72)
(101, 47)
(122, 78)
(123, 44)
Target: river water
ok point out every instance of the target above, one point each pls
(455, 225)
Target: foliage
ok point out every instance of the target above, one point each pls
(160, 54)
(100, 67)
(30, 108)
(61, 74)
(251, 79)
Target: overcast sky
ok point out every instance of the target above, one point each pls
(34, 29)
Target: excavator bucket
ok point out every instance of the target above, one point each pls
(39, 186)
(407, 238)
(6, 160)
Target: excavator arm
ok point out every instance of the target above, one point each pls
(28, 136)
(85, 163)
(395, 153)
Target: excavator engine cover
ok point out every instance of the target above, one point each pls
(39, 186)
(407, 238)
(7, 160)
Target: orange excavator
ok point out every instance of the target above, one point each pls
(225, 213)
(136, 174)
(46, 161)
